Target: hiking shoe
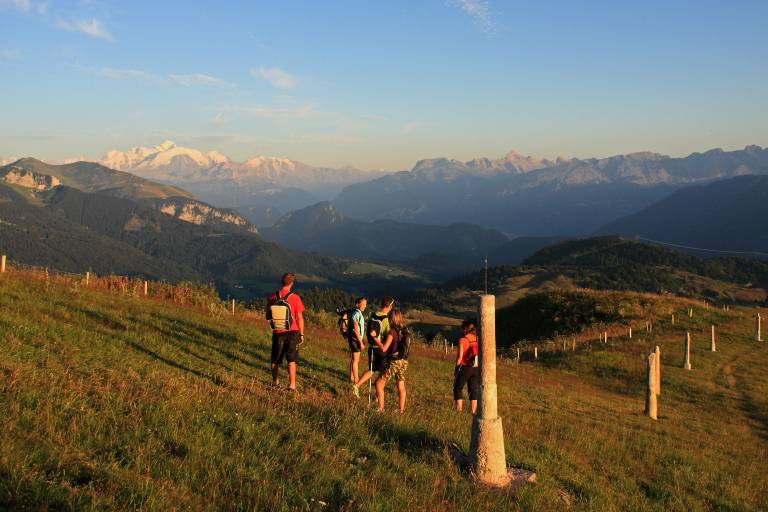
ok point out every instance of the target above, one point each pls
(356, 390)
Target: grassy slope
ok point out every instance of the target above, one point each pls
(121, 403)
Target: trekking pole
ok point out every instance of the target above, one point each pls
(370, 381)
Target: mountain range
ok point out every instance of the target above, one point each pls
(723, 217)
(261, 188)
(84, 216)
(438, 250)
(563, 197)
(37, 176)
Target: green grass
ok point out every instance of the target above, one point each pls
(113, 402)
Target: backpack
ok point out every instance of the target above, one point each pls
(374, 328)
(345, 319)
(404, 343)
(279, 313)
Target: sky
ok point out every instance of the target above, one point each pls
(382, 84)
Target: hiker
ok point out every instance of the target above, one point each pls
(378, 327)
(285, 315)
(467, 373)
(396, 348)
(356, 337)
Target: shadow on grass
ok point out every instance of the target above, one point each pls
(154, 355)
(753, 410)
(416, 443)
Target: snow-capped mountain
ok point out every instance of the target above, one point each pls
(259, 183)
(166, 160)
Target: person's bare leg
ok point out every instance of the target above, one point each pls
(459, 405)
(380, 392)
(473, 406)
(292, 375)
(354, 362)
(401, 394)
(367, 374)
(275, 379)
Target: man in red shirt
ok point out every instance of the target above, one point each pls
(285, 313)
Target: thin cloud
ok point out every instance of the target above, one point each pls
(9, 54)
(92, 28)
(268, 111)
(188, 80)
(480, 11)
(276, 77)
(126, 74)
(199, 79)
(20, 5)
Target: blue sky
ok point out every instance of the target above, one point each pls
(382, 84)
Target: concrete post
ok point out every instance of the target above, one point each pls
(487, 458)
(2, 263)
(712, 340)
(518, 354)
(233, 306)
(690, 313)
(758, 329)
(605, 337)
(651, 403)
(687, 359)
(87, 278)
(536, 353)
(630, 333)
(146, 288)
(657, 375)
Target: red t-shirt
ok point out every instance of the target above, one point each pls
(294, 301)
(469, 344)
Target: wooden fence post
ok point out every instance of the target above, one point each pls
(651, 400)
(233, 306)
(146, 288)
(712, 340)
(536, 353)
(658, 370)
(630, 333)
(687, 356)
(758, 329)
(2, 263)
(87, 278)
(673, 319)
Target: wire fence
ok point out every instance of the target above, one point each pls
(205, 297)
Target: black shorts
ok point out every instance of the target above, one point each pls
(469, 376)
(354, 344)
(285, 345)
(377, 360)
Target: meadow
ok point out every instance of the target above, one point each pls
(118, 402)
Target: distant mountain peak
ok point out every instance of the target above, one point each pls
(166, 145)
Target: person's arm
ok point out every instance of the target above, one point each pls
(459, 352)
(386, 344)
(300, 318)
(358, 334)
